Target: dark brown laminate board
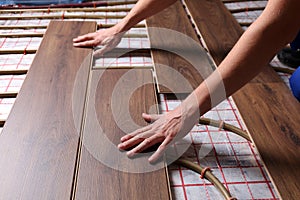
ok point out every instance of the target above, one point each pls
(221, 31)
(117, 98)
(183, 64)
(39, 142)
(268, 108)
(272, 118)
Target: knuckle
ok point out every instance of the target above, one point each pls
(162, 146)
(171, 136)
(147, 141)
(162, 135)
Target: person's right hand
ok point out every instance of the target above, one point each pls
(107, 38)
(164, 129)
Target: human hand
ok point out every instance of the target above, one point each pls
(108, 38)
(165, 129)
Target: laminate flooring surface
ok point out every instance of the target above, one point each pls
(39, 141)
(180, 62)
(117, 99)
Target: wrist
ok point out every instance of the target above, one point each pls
(198, 102)
(122, 26)
(189, 109)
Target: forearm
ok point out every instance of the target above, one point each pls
(277, 26)
(142, 10)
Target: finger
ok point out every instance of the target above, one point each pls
(81, 38)
(135, 140)
(148, 142)
(150, 118)
(133, 134)
(89, 43)
(130, 143)
(160, 150)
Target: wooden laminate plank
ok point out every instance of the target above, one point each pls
(183, 64)
(41, 34)
(11, 27)
(2, 122)
(272, 118)
(268, 108)
(13, 71)
(220, 31)
(247, 9)
(8, 94)
(39, 141)
(117, 98)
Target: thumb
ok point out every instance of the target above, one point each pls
(150, 118)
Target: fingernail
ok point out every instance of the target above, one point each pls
(120, 146)
(150, 160)
(129, 154)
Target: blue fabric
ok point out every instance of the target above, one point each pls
(295, 45)
(295, 83)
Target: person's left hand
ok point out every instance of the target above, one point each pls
(107, 38)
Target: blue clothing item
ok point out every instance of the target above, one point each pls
(295, 83)
(295, 45)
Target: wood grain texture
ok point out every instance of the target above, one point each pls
(268, 108)
(183, 64)
(39, 141)
(221, 31)
(117, 98)
(13, 71)
(272, 118)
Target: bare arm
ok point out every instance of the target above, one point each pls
(110, 38)
(277, 26)
(142, 10)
